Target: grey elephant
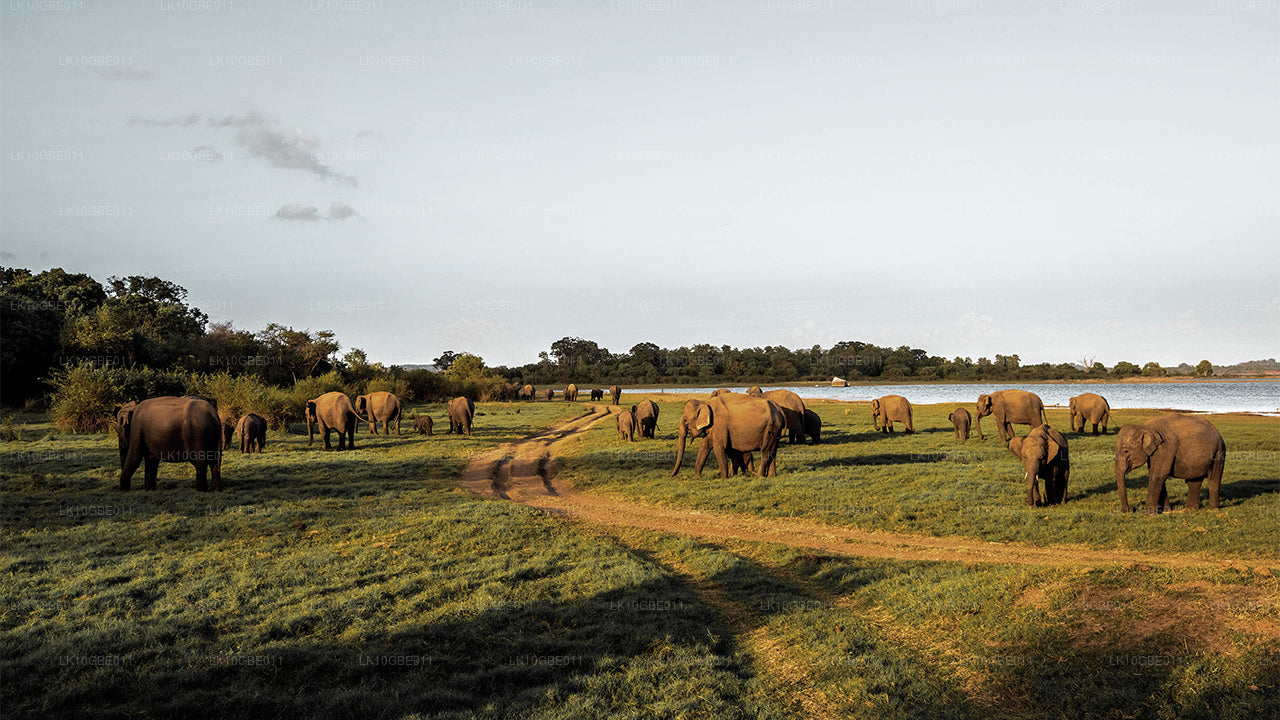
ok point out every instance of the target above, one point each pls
(813, 426)
(597, 394)
(423, 424)
(960, 420)
(252, 430)
(1089, 407)
(1010, 407)
(627, 424)
(332, 411)
(571, 393)
(792, 408)
(380, 407)
(733, 425)
(615, 392)
(461, 411)
(646, 413)
(550, 394)
(890, 409)
(170, 429)
(1172, 445)
(1043, 454)
(526, 393)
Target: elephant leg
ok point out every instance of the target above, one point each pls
(215, 474)
(1193, 494)
(351, 438)
(127, 470)
(704, 449)
(202, 476)
(1157, 494)
(1033, 490)
(150, 468)
(769, 463)
(722, 457)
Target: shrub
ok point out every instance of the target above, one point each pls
(84, 398)
(396, 386)
(238, 395)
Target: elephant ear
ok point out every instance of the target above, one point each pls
(1150, 441)
(124, 417)
(1053, 449)
(704, 419)
(875, 405)
(1015, 446)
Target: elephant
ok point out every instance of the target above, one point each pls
(526, 393)
(792, 410)
(597, 394)
(627, 424)
(1172, 445)
(170, 429)
(813, 426)
(423, 424)
(333, 411)
(550, 394)
(960, 418)
(511, 392)
(1009, 407)
(1043, 453)
(646, 417)
(252, 430)
(887, 410)
(1092, 408)
(228, 431)
(571, 393)
(731, 423)
(461, 411)
(380, 407)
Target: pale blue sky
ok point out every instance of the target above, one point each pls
(1066, 179)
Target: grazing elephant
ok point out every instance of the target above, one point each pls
(1089, 407)
(227, 432)
(1009, 407)
(813, 426)
(887, 410)
(571, 393)
(792, 408)
(731, 424)
(461, 410)
(423, 424)
(170, 429)
(960, 418)
(646, 417)
(526, 393)
(380, 407)
(1043, 453)
(615, 392)
(627, 424)
(333, 411)
(1172, 445)
(252, 430)
(550, 394)
(511, 392)
(597, 394)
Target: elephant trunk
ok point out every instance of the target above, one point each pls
(1122, 469)
(977, 419)
(680, 449)
(311, 437)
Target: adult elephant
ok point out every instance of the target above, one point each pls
(1043, 454)
(731, 423)
(792, 408)
(960, 420)
(1089, 407)
(333, 411)
(380, 407)
(526, 393)
(461, 411)
(423, 424)
(813, 426)
(550, 394)
(170, 429)
(571, 393)
(1010, 407)
(627, 424)
(646, 413)
(597, 394)
(889, 409)
(252, 430)
(1172, 445)
(511, 392)
(615, 392)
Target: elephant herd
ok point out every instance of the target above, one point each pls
(1172, 445)
(527, 393)
(735, 426)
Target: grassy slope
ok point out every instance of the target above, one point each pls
(932, 484)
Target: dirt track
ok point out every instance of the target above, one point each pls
(524, 472)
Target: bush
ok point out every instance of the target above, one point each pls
(84, 398)
(243, 394)
(313, 387)
(396, 386)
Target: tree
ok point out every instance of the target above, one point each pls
(1153, 369)
(1204, 368)
(445, 360)
(143, 321)
(1125, 369)
(298, 352)
(467, 367)
(569, 351)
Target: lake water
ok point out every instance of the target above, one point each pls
(1243, 396)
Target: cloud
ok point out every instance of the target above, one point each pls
(6, 255)
(298, 212)
(341, 211)
(296, 151)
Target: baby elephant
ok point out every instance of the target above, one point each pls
(627, 425)
(252, 430)
(422, 424)
(597, 394)
(960, 418)
(1044, 455)
(812, 426)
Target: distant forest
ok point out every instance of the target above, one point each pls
(53, 320)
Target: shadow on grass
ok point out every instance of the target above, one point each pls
(1229, 493)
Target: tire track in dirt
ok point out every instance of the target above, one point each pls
(526, 474)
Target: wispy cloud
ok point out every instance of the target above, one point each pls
(341, 211)
(310, 213)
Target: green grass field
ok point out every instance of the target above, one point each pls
(366, 584)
